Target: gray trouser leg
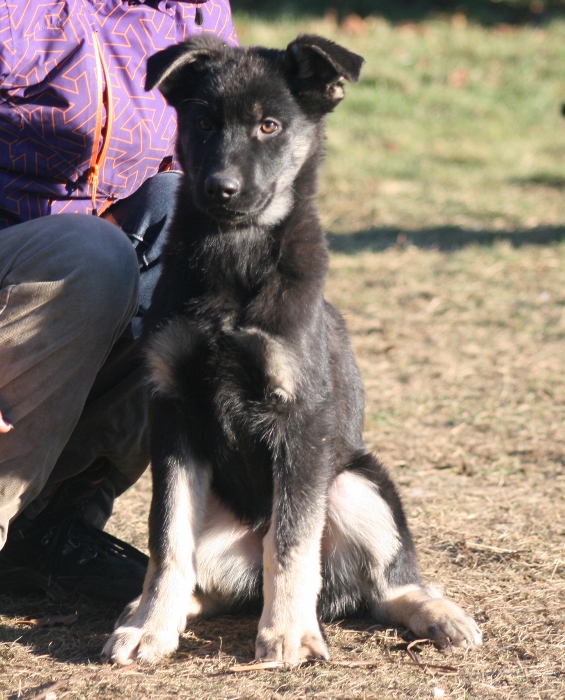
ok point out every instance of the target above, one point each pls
(110, 443)
(68, 289)
(108, 449)
(89, 429)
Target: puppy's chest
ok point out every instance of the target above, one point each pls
(196, 359)
(221, 346)
(237, 316)
(255, 364)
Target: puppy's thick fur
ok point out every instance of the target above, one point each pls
(264, 493)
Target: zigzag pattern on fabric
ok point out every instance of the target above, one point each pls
(54, 109)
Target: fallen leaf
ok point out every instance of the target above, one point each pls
(459, 78)
(354, 25)
(50, 620)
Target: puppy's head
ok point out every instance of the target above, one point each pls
(249, 119)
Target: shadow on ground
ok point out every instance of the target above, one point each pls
(485, 12)
(81, 643)
(78, 643)
(439, 238)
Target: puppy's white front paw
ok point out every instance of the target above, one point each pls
(290, 645)
(128, 644)
(128, 613)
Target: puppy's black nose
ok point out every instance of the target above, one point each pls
(221, 188)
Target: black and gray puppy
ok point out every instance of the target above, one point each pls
(264, 493)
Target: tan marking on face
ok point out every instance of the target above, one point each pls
(299, 150)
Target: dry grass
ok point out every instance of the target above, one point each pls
(462, 354)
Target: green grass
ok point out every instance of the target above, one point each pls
(449, 125)
(485, 12)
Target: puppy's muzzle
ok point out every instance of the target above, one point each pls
(221, 189)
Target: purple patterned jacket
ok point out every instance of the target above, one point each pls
(77, 129)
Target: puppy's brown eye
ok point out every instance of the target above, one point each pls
(205, 124)
(269, 127)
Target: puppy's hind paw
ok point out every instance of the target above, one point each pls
(446, 623)
(431, 617)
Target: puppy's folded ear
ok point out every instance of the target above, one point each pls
(169, 69)
(319, 66)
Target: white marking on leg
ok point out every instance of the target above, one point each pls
(153, 626)
(359, 516)
(289, 629)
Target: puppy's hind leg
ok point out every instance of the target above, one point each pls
(370, 561)
(149, 629)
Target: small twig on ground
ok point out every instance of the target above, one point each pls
(424, 665)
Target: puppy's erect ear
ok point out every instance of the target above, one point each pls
(164, 67)
(319, 67)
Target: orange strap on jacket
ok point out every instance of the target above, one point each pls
(101, 132)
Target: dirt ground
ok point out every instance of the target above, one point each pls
(462, 352)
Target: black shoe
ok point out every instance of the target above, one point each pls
(63, 552)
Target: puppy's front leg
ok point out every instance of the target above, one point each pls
(289, 629)
(150, 628)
